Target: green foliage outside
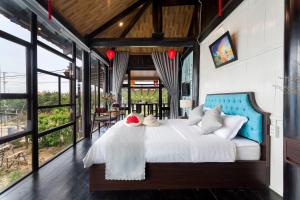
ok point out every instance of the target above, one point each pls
(13, 105)
(144, 95)
(51, 118)
(15, 175)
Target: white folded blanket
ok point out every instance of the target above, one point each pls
(124, 152)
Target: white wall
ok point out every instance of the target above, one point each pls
(257, 28)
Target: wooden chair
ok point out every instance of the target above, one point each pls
(120, 111)
(103, 117)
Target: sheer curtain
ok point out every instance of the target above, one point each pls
(120, 65)
(167, 70)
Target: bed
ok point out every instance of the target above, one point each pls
(245, 162)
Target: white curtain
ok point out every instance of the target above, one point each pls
(120, 65)
(167, 70)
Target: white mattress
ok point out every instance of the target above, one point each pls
(173, 141)
(246, 149)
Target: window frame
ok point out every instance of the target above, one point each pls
(25, 95)
(71, 105)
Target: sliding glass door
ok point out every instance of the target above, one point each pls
(15, 115)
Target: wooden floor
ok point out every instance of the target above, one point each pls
(65, 178)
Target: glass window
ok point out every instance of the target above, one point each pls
(51, 62)
(187, 73)
(13, 116)
(11, 169)
(47, 89)
(54, 38)
(79, 122)
(54, 117)
(12, 67)
(93, 98)
(65, 91)
(79, 127)
(52, 144)
(15, 19)
(79, 57)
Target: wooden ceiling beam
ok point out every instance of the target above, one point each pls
(191, 31)
(179, 2)
(157, 19)
(197, 19)
(135, 19)
(116, 18)
(142, 42)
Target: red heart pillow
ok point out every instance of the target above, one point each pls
(132, 119)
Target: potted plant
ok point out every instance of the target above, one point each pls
(108, 98)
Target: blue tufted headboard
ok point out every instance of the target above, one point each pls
(241, 104)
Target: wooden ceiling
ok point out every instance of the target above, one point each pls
(87, 15)
(101, 18)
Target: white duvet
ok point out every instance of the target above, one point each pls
(173, 141)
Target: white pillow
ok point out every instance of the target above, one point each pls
(231, 126)
(150, 121)
(195, 116)
(211, 120)
(207, 108)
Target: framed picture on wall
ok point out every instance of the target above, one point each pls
(223, 51)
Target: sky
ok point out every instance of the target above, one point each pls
(13, 62)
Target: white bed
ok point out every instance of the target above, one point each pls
(173, 141)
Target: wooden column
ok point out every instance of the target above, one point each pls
(196, 55)
(196, 75)
(160, 99)
(33, 94)
(86, 94)
(157, 19)
(106, 79)
(73, 93)
(129, 91)
(292, 101)
(179, 84)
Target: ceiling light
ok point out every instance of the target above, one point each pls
(121, 24)
(39, 28)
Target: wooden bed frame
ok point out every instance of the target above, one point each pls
(240, 174)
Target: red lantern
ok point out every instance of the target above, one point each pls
(110, 54)
(172, 54)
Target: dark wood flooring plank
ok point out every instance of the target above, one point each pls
(203, 195)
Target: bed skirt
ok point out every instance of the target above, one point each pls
(240, 174)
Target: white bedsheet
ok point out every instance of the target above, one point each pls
(173, 141)
(246, 149)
